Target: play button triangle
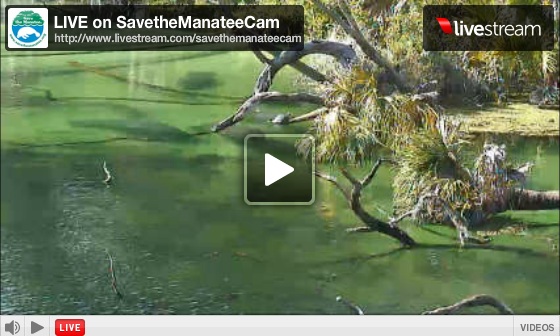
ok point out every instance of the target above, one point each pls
(275, 169)
(35, 327)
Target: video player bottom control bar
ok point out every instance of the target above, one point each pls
(383, 325)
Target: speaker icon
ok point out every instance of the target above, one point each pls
(12, 327)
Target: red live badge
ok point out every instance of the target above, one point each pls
(70, 327)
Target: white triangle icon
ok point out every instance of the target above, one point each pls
(274, 169)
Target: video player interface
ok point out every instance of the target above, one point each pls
(279, 166)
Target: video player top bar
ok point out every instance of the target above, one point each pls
(144, 27)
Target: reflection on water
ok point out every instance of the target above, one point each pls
(175, 224)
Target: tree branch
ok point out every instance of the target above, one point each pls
(350, 27)
(373, 224)
(308, 116)
(474, 301)
(349, 177)
(303, 68)
(369, 177)
(261, 56)
(414, 211)
(334, 181)
(359, 229)
(257, 99)
(342, 52)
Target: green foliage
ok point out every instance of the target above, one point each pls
(358, 121)
(429, 150)
(433, 162)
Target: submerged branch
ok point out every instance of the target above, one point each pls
(108, 176)
(113, 276)
(474, 301)
(355, 309)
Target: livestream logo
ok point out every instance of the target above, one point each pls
(471, 28)
(495, 29)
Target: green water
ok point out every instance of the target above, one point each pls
(174, 220)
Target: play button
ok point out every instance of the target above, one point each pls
(275, 174)
(36, 327)
(275, 169)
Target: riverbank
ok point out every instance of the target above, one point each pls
(517, 118)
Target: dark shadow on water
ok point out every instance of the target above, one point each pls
(445, 247)
(69, 143)
(141, 130)
(434, 232)
(503, 221)
(198, 80)
(155, 101)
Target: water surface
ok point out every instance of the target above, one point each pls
(174, 220)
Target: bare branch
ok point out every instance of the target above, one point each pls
(342, 52)
(414, 212)
(369, 177)
(370, 51)
(349, 177)
(261, 56)
(303, 68)
(256, 99)
(474, 301)
(334, 181)
(347, 12)
(373, 224)
(308, 116)
(359, 229)
(113, 276)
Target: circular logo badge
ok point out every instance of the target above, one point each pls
(28, 27)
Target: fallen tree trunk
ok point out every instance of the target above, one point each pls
(523, 199)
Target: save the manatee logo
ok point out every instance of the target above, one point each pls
(27, 27)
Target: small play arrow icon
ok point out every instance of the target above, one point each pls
(275, 169)
(35, 327)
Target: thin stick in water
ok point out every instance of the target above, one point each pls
(108, 176)
(113, 277)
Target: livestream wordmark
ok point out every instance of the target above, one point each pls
(479, 28)
(70, 327)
